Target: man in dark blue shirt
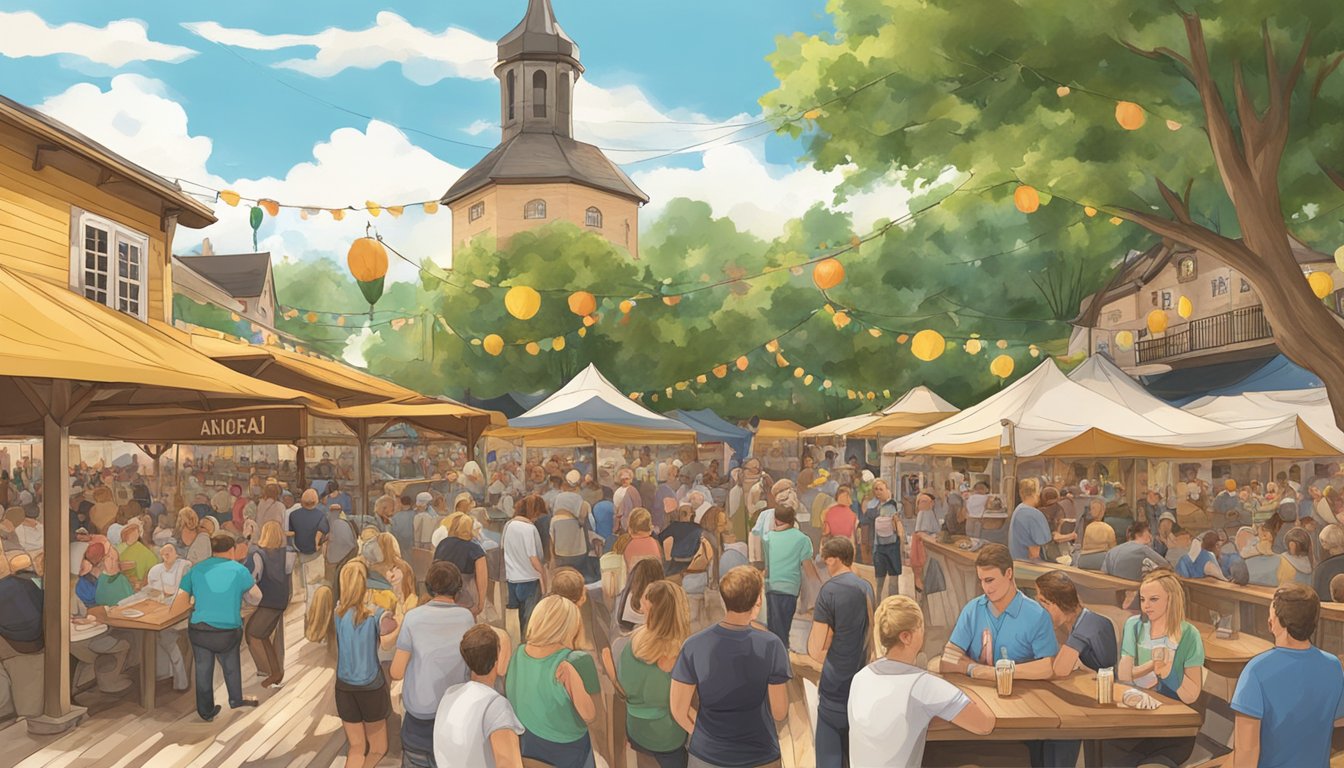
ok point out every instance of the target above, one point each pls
(310, 527)
(20, 611)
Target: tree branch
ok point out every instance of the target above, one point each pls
(1178, 207)
(1234, 252)
(1332, 174)
(1159, 53)
(1324, 72)
(1231, 163)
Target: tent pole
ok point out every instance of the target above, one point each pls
(365, 465)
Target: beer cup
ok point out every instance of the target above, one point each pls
(1106, 685)
(1003, 676)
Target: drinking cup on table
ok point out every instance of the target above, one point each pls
(1106, 685)
(1003, 676)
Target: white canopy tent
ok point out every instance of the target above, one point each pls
(1311, 405)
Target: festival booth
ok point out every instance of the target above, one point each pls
(713, 430)
(1311, 405)
(66, 361)
(917, 408)
(777, 445)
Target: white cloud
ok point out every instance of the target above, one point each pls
(479, 127)
(425, 57)
(136, 119)
(24, 33)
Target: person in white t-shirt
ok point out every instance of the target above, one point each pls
(522, 558)
(167, 575)
(475, 726)
(892, 701)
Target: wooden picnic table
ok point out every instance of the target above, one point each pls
(157, 617)
(1229, 656)
(1067, 709)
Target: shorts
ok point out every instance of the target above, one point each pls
(263, 621)
(887, 560)
(363, 703)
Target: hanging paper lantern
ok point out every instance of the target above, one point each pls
(303, 214)
(1172, 125)
(742, 363)
(493, 344)
(271, 207)
(522, 302)
(431, 208)
(902, 338)
(682, 386)
(589, 321)
(1117, 221)
(337, 213)
(1157, 321)
(826, 384)
(1001, 344)
(367, 260)
(875, 332)
(830, 310)
(1321, 284)
(828, 273)
(772, 345)
(781, 361)
(798, 373)
(1089, 211)
(533, 348)
(840, 320)
(701, 379)
(583, 332)
(395, 210)
(341, 321)
(654, 398)
(1026, 198)
(720, 371)
(373, 208)
(626, 306)
(1002, 366)
(230, 197)
(1129, 115)
(671, 301)
(1185, 308)
(1034, 350)
(973, 346)
(582, 303)
(559, 344)
(234, 316)
(1062, 91)
(254, 218)
(311, 317)
(928, 345)
(812, 114)
(1125, 340)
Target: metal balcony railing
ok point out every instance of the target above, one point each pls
(1234, 327)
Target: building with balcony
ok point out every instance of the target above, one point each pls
(1226, 325)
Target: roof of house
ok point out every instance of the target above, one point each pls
(241, 275)
(191, 212)
(539, 37)
(1141, 267)
(545, 157)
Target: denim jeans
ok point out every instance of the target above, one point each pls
(780, 608)
(524, 595)
(832, 740)
(413, 759)
(208, 644)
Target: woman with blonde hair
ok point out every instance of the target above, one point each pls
(459, 548)
(644, 669)
(893, 700)
(269, 509)
(269, 564)
(187, 529)
(1162, 651)
(548, 693)
(362, 699)
(641, 544)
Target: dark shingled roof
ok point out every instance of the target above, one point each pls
(241, 275)
(539, 38)
(545, 157)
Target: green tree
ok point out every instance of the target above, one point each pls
(1240, 139)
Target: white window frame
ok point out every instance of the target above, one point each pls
(117, 235)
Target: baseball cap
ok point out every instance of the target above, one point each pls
(423, 498)
(573, 477)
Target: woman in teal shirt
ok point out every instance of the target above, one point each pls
(547, 691)
(645, 674)
(113, 585)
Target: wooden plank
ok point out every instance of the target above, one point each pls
(44, 229)
(57, 188)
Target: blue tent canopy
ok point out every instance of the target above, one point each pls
(1278, 373)
(712, 428)
(511, 404)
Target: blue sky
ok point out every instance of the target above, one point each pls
(229, 96)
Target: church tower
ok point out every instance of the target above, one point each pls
(539, 173)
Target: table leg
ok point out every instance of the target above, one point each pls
(1092, 753)
(149, 662)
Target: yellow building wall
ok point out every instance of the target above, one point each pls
(504, 204)
(35, 214)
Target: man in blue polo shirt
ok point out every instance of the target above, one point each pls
(1014, 623)
(1281, 721)
(1028, 530)
(214, 589)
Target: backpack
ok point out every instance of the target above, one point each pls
(885, 524)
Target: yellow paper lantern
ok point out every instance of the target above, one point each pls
(395, 210)
(271, 207)
(1026, 198)
(781, 361)
(1185, 308)
(826, 384)
(928, 345)
(828, 273)
(1001, 344)
(373, 208)
(367, 260)
(1002, 366)
(522, 302)
(1129, 115)
(671, 301)
(655, 397)
(1034, 350)
(533, 348)
(1172, 125)
(311, 317)
(812, 114)
(807, 380)
(626, 306)
(1089, 211)
(1125, 340)
(1062, 91)
(798, 373)
(973, 346)
(1157, 321)
(431, 208)
(589, 321)
(720, 371)
(583, 332)
(682, 385)
(230, 197)
(559, 344)
(1321, 284)
(1117, 221)
(493, 344)
(701, 379)
(582, 303)
(875, 332)
(742, 363)
(772, 345)
(840, 320)
(337, 214)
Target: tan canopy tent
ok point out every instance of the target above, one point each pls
(842, 427)
(917, 409)
(66, 359)
(778, 430)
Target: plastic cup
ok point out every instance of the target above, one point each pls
(1003, 676)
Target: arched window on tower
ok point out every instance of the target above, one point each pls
(562, 95)
(535, 209)
(538, 94)
(512, 88)
(593, 217)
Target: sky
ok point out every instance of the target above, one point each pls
(334, 104)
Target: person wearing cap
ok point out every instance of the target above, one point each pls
(424, 522)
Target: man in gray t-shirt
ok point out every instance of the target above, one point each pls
(840, 640)
(1127, 560)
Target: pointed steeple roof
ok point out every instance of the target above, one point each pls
(538, 37)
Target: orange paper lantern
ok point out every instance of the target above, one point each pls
(742, 363)
(828, 273)
(1026, 198)
(1129, 115)
(582, 303)
(367, 260)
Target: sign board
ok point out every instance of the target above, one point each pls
(253, 425)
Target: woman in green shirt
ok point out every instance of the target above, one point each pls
(113, 586)
(645, 674)
(547, 691)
